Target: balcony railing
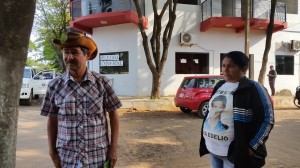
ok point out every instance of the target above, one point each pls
(81, 8)
(259, 9)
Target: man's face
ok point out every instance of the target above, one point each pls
(74, 58)
(271, 67)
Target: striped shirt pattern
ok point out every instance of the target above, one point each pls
(242, 115)
(82, 125)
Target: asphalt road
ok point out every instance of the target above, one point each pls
(158, 139)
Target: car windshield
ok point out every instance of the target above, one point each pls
(44, 75)
(26, 73)
(188, 83)
(48, 75)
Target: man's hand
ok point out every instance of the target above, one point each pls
(52, 135)
(55, 159)
(112, 156)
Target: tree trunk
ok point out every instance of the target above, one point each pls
(269, 34)
(157, 58)
(61, 62)
(156, 81)
(15, 27)
(59, 57)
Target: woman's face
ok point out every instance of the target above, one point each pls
(231, 71)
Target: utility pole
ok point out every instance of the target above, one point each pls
(247, 27)
(247, 39)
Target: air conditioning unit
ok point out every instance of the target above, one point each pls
(295, 45)
(187, 39)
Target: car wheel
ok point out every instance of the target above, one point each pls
(185, 109)
(203, 109)
(29, 100)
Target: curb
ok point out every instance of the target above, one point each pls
(150, 105)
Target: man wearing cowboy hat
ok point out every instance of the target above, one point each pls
(76, 103)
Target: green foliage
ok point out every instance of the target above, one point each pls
(51, 21)
(32, 47)
(38, 65)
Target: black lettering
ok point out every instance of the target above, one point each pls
(215, 136)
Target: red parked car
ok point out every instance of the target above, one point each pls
(194, 93)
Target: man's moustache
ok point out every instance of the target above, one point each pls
(71, 62)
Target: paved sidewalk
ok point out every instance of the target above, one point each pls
(167, 103)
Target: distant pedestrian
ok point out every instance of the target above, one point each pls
(272, 76)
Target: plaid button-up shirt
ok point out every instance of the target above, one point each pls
(82, 126)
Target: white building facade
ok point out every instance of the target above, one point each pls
(121, 54)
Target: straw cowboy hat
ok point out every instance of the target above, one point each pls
(78, 40)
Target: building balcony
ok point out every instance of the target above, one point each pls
(230, 14)
(89, 14)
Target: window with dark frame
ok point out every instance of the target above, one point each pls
(284, 64)
(189, 2)
(114, 62)
(191, 63)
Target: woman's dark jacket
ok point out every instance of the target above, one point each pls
(253, 117)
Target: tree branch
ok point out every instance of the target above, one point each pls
(144, 37)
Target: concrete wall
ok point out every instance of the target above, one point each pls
(116, 39)
(214, 41)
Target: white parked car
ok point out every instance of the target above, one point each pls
(41, 80)
(34, 84)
